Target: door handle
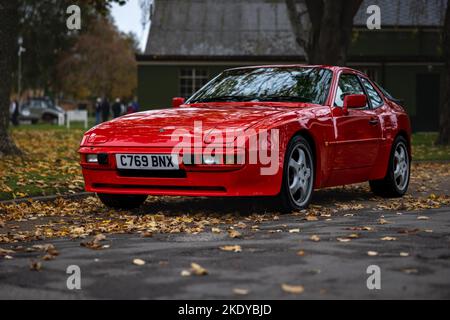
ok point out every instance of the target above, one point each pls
(373, 121)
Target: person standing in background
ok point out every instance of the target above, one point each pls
(117, 108)
(136, 105)
(98, 111)
(14, 112)
(105, 107)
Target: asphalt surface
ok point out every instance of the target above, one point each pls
(329, 269)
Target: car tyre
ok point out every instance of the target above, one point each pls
(396, 182)
(298, 176)
(121, 201)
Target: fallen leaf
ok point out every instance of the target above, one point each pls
(234, 234)
(185, 273)
(4, 252)
(147, 234)
(216, 230)
(99, 237)
(301, 253)
(292, 289)
(241, 225)
(95, 243)
(409, 231)
(343, 239)
(240, 291)
(423, 218)
(365, 228)
(410, 271)
(383, 221)
(388, 239)
(138, 262)
(48, 257)
(294, 231)
(232, 248)
(372, 253)
(311, 218)
(404, 254)
(35, 265)
(198, 270)
(314, 238)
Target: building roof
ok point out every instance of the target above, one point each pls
(230, 28)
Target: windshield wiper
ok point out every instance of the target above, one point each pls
(284, 98)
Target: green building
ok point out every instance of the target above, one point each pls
(191, 41)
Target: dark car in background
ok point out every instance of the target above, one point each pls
(40, 109)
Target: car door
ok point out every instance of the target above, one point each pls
(357, 134)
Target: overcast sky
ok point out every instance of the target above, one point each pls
(128, 18)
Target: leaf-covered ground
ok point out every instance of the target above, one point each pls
(50, 165)
(88, 217)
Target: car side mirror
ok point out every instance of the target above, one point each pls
(177, 101)
(354, 101)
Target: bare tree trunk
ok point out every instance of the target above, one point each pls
(328, 36)
(8, 43)
(444, 118)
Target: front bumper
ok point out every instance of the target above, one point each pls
(237, 180)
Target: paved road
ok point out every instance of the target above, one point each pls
(328, 269)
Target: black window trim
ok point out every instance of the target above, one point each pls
(369, 104)
(367, 95)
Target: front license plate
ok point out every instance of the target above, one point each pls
(147, 161)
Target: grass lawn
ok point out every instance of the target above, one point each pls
(424, 149)
(50, 165)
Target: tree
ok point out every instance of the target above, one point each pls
(323, 28)
(27, 11)
(9, 25)
(43, 29)
(101, 62)
(444, 119)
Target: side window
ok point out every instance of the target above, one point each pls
(374, 97)
(348, 84)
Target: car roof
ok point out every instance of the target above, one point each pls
(332, 68)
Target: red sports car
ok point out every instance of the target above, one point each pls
(278, 131)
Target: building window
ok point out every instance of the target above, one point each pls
(191, 80)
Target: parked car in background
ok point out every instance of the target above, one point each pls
(40, 109)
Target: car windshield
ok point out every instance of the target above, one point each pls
(293, 84)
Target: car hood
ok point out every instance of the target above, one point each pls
(156, 127)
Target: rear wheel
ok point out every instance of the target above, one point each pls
(121, 201)
(396, 181)
(298, 175)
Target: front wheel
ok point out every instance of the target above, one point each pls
(396, 181)
(298, 175)
(121, 201)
